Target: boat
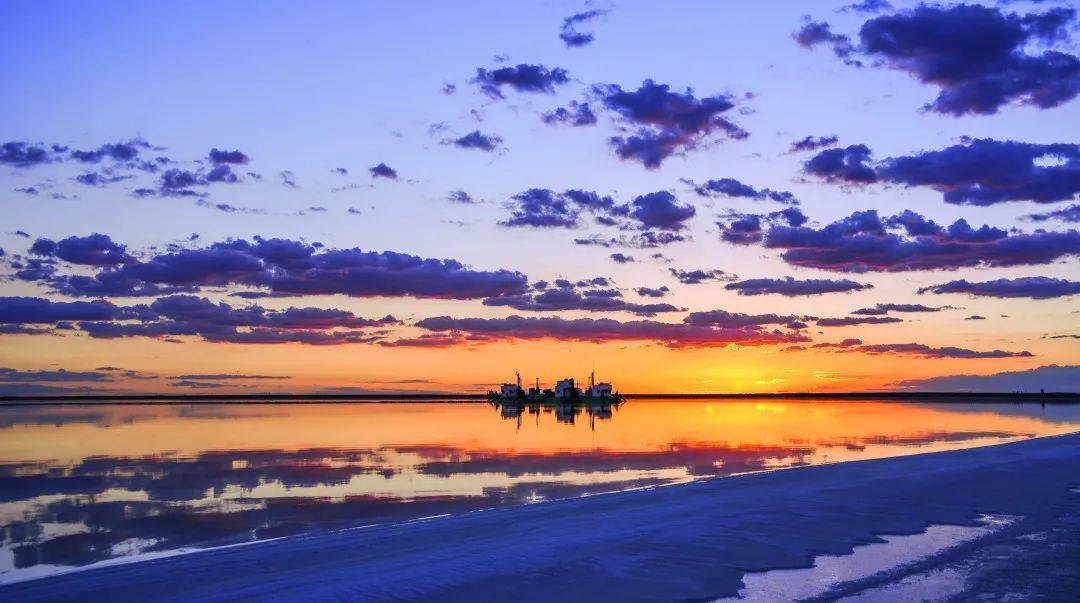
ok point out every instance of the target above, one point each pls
(564, 392)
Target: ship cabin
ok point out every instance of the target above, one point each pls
(565, 390)
(511, 390)
(600, 390)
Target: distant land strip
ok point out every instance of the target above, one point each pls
(1051, 397)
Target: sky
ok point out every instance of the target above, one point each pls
(368, 197)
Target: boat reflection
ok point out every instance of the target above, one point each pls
(565, 411)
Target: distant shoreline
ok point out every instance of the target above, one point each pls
(1049, 397)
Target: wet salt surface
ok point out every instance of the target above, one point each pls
(831, 572)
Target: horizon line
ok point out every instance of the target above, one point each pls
(315, 398)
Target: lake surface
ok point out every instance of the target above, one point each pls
(90, 483)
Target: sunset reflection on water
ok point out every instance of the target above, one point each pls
(82, 484)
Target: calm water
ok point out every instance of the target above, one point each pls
(84, 484)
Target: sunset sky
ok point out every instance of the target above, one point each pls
(703, 197)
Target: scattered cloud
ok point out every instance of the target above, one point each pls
(289, 267)
(522, 78)
(1032, 287)
(813, 143)
(698, 276)
(979, 57)
(864, 242)
(661, 291)
(914, 350)
(848, 321)
(1070, 214)
(475, 140)
(600, 330)
(575, 114)
(791, 287)
(663, 123)
(596, 295)
(570, 33)
(383, 171)
(729, 187)
(976, 172)
(882, 309)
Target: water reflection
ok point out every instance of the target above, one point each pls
(81, 484)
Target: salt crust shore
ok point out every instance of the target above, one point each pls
(686, 542)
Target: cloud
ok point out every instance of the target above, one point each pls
(575, 114)
(813, 33)
(25, 154)
(653, 292)
(288, 179)
(600, 330)
(729, 187)
(177, 182)
(121, 152)
(587, 296)
(187, 315)
(1033, 287)
(979, 57)
(10, 375)
(1051, 378)
(1070, 214)
(197, 384)
(460, 196)
(38, 310)
(522, 78)
(866, 6)
(476, 140)
(647, 239)
(431, 340)
(545, 208)
(232, 377)
(92, 250)
(881, 309)
(790, 287)
(100, 178)
(542, 208)
(848, 321)
(864, 242)
(661, 210)
(234, 157)
(383, 171)
(813, 143)
(696, 277)
(849, 164)
(976, 172)
(914, 350)
(622, 258)
(663, 122)
(725, 319)
(924, 351)
(569, 33)
(745, 229)
(289, 267)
